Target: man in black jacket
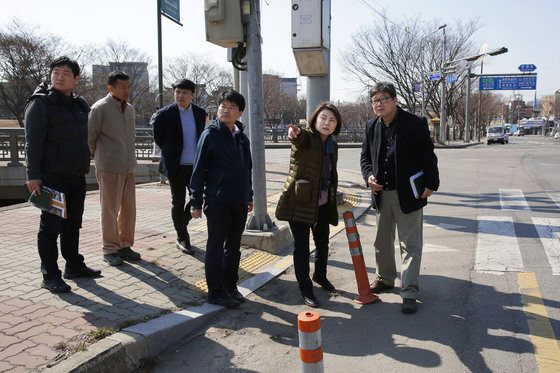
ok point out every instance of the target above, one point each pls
(397, 146)
(57, 156)
(177, 128)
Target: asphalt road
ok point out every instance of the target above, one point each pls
(489, 299)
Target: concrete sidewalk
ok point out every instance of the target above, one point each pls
(152, 302)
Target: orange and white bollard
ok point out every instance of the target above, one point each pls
(366, 296)
(310, 342)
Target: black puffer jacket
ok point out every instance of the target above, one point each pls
(299, 199)
(56, 134)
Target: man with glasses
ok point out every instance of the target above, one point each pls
(397, 146)
(177, 128)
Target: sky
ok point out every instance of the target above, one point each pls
(526, 28)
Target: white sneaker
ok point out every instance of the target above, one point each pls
(185, 248)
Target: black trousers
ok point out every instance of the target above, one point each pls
(52, 226)
(225, 228)
(181, 213)
(320, 231)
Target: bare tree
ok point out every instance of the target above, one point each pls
(404, 55)
(274, 99)
(209, 77)
(25, 53)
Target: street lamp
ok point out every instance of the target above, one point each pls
(442, 128)
(422, 72)
(470, 59)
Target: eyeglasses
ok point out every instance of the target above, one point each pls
(381, 101)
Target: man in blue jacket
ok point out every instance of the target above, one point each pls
(177, 128)
(397, 146)
(222, 180)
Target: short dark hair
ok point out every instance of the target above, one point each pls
(113, 76)
(184, 84)
(326, 106)
(386, 87)
(232, 96)
(63, 60)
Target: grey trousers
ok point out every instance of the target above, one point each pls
(409, 228)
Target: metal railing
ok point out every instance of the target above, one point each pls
(12, 142)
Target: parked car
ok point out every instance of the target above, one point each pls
(496, 134)
(519, 133)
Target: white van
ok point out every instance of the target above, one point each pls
(496, 134)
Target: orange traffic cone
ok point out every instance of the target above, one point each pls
(366, 296)
(310, 342)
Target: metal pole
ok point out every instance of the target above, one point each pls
(442, 128)
(467, 114)
(259, 219)
(480, 104)
(160, 57)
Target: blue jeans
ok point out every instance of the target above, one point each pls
(52, 226)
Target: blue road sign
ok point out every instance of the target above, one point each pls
(451, 78)
(505, 83)
(527, 68)
(434, 76)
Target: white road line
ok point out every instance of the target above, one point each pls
(549, 232)
(513, 199)
(497, 249)
(555, 196)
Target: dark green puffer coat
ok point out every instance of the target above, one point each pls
(298, 202)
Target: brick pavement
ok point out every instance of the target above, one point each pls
(38, 329)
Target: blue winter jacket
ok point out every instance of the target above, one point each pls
(222, 167)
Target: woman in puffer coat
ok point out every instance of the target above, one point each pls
(308, 201)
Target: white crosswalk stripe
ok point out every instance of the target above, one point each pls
(555, 196)
(497, 249)
(513, 199)
(549, 233)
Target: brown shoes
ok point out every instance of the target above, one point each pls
(377, 286)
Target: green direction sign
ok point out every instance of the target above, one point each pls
(507, 83)
(171, 9)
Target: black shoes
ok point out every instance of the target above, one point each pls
(113, 259)
(225, 301)
(309, 299)
(237, 296)
(128, 254)
(377, 286)
(82, 272)
(408, 305)
(56, 285)
(325, 284)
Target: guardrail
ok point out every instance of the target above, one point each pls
(12, 142)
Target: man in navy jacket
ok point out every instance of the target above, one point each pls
(397, 146)
(177, 128)
(222, 180)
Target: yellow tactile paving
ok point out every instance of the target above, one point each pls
(544, 340)
(247, 267)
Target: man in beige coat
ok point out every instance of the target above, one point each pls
(111, 127)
